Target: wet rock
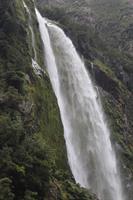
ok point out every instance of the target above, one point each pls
(26, 107)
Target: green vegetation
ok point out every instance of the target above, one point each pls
(33, 160)
(102, 33)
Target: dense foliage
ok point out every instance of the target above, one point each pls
(101, 31)
(33, 161)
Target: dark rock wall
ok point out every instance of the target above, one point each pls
(33, 160)
(101, 32)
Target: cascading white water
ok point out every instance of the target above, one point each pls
(37, 69)
(31, 30)
(90, 154)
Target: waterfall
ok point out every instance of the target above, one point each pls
(37, 69)
(31, 30)
(90, 153)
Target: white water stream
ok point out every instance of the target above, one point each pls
(37, 69)
(90, 153)
(31, 30)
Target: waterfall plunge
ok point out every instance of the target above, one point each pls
(90, 154)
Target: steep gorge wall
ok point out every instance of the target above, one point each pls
(33, 160)
(112, 67)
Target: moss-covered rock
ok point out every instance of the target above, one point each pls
(33, 160)
(98, 29)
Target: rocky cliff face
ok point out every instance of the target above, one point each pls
(110, 21)
(33, 161)
(102, 33)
